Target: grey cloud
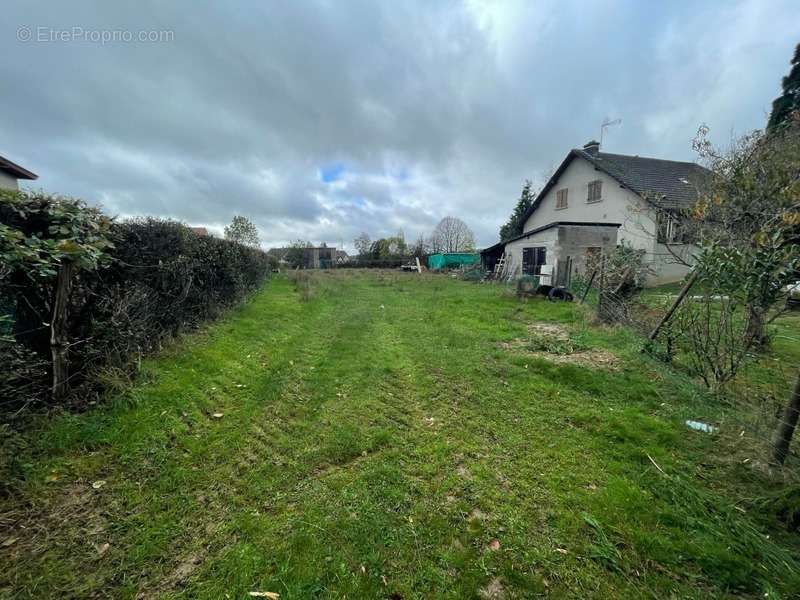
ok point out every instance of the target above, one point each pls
(241, 109)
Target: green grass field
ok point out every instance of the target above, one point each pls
(400, 436)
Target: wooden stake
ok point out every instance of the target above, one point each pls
(686, 287)
(625, 274)
(588, 286)
(59, 344)
(601, 288)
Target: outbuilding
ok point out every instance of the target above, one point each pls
(555, 252)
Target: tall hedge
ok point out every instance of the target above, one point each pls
(136, 283)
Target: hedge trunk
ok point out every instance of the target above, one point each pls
(59, 342)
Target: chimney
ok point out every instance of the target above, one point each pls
(592, 147)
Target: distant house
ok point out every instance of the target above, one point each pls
(279, 255)
(11, 172)
(315, 257)
(596, 200)
(199, 231)
(319, 257)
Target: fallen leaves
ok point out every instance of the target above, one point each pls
(270, 595)
(218, 415)
(98, 484)
(494, 545)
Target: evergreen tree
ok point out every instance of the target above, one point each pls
(788, 102)
(517, 219)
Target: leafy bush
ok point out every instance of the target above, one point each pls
(138, 283)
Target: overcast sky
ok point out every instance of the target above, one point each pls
(322, 119)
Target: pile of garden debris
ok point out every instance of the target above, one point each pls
(554, 343)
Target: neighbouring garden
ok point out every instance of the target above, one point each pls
(389, 435)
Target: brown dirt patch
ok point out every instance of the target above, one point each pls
(549, 330)
(176, 578)
(594, 359)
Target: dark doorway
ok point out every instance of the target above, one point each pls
(533, 259)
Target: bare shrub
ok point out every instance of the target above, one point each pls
(709, 333)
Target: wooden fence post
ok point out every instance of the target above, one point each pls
(601, 288)
(686, 287)
(588, 286)
(59, 344)
(623, 280)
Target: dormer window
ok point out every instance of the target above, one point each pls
(561, 199)
(595, 191)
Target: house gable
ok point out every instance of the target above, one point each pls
(616, 204)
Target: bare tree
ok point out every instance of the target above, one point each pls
(362, 243)
(452, 235)
(420, 247)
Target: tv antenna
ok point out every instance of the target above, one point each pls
(605, 125)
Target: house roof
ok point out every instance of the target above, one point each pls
(15, 170)
(545, 227)
(671, 183)
(201, 231)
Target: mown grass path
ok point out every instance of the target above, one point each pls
(379, 441)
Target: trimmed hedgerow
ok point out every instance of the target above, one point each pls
(136, 283)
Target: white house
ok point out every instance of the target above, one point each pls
(11, 172)
(596, 200)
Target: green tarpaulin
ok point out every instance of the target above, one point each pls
(452, 260)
